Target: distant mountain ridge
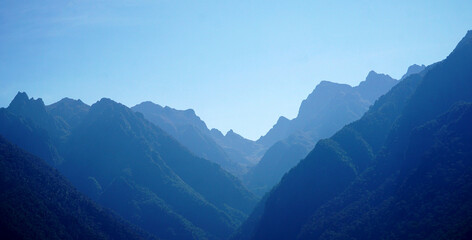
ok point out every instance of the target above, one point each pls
(321, 100)
(228, 151)
(243, 150)
(328, 108)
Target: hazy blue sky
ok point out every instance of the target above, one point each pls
(239, 64)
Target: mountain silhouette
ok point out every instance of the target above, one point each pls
(400, 172)
(35, 109)
(327, 109)
(413, 69)
(122, 161)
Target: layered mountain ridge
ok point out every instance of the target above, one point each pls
(107, 150)
(231, 152)
(400, 172)
(327, 109)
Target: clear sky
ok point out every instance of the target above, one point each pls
(239, 64)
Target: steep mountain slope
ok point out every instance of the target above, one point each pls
(190, 131)
(431, 189)
(327, 109)
(355, 184)
(36, 202)
(367, 134)
(29, 136)
(114, 143)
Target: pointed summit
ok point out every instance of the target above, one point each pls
(231, 133)
(21, 97)
(375, 85)
(35, 111)
(234, 136)
(413, 69)
(216, 133)
(282, 120)
(22, 101)
(32, 108)
(374, 76)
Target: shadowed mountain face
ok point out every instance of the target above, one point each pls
(231, 152)
(27, 124)
(25, 133)
(327, 109)
(38, 203)
(400, 172)
(126, 163)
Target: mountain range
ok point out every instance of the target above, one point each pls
(387, 159)
(127, 164)
(327, 109)
(400, 172)
(192, 132)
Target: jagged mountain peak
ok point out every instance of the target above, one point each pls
(413, 69)
(374, 85)
(216, 131)
(231, 133)
(22, 102)
(33, 109)
(374, 76)
(282, 120)
(329, 107)
(20, 97)
(234, 135)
